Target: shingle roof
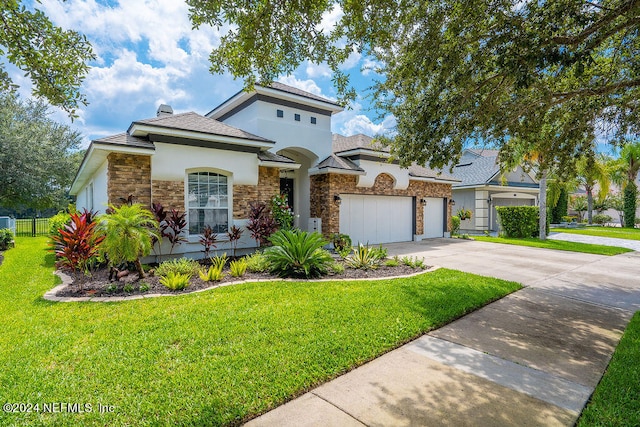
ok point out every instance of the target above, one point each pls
(295, 91)
(424, 172)
(476, 171)
(346, 143)
(194, 122)
(126, 140)
(335, 162)
(268, 156)
(483, 152)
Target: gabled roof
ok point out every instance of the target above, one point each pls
(476, 171)
(278, 93)
(424, 172)
(342, 143)
(295, 91)
(339, 163)
(125, 140)
(194, 122)
(479, 167)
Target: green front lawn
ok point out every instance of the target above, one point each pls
(616, 400)
(210, 358)
(614, 232)
(557, 244)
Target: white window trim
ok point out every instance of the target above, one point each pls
(195, 238)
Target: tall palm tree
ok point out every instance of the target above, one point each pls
(592, 171)
(128, 234)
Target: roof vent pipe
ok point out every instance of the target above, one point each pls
(164, 110)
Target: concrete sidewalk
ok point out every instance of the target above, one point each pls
(597, 240)
(532, 358)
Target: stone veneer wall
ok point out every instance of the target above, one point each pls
(244, 195)
(129, 174)
(168, 193)
(324, 187)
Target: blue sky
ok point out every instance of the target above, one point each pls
(148, 54)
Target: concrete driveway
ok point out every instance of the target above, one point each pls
(532, 358)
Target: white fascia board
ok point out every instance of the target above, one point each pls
(280, 165)
(229, 104)
(510, 189)
(317, 171)
(334, 108)
(144, 130)
(430, 179)
(364, 151)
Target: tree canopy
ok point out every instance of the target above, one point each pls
(54, 59)
(38, 157)
(452, 73)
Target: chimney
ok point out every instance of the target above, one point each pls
(164, 110)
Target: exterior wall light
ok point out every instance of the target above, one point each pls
(337, 199)
(452, 202)
(423, 202)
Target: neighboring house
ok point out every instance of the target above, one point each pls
(254, 145)
(482, 187)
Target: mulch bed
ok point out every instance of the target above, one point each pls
(98, 285)
(1, 258)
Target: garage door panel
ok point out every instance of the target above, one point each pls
(376, 219)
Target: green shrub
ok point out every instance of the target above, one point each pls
(212, 274)
(380, 252)
(413, 262)
(238, 267)
(175, 281)
(128, 288)
(601, 219)
(58, 221)
(630, 201)
(219, 261)
(257, 263)
(519, 221)
(297, 253)
(364, 258)
(6, 236)
(178, 266)
(455, 225)
(560, 208)
(337, 268)
(341, 242)
(393, 262)
(144, 287)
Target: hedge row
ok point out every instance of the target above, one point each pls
(519, 221)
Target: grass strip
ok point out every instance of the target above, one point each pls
(210, 358)
(612, 232)
(616, 400)
(557, 244)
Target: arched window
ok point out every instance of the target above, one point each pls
(208, 202)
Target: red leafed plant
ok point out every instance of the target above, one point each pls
(176, 223)
(77, 244)
(261, 223)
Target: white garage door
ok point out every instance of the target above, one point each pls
(434, 217)
(376, 219)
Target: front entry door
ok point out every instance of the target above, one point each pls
(286, 188)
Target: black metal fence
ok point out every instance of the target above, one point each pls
(32, 227)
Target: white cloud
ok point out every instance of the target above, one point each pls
(353, 121)
(306, 85)
(318, 70)
(370, 66)
(330, 19)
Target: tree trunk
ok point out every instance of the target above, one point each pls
(140, 269)
(589, 204)
(543, 205)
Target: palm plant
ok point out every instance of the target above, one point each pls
(297, 253)
(128, 234)
(592, 171)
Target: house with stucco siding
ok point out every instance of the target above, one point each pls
(274, 139)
